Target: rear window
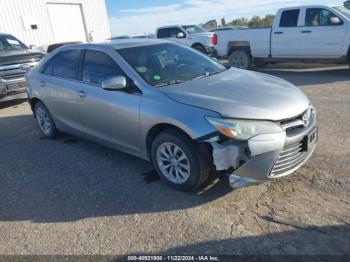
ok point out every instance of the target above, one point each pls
(290, 18)
(65, 64)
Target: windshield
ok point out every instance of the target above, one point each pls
(343, 10)
(9, 43)
(166, 64)
(193, 29)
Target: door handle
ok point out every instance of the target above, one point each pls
(306, 32)
(81, 94)
(42, 83)
(278, 33)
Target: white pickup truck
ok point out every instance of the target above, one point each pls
(190, 35)
(303, 34)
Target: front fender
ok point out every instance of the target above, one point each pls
(156, 109)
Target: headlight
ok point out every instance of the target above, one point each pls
(243, 129)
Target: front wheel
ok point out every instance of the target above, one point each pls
(178, 161)
(44, 120)
(240, 59)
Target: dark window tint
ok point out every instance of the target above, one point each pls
(320, 17)
(163, 33)
(290, 18)
(66, 64)
(174, 31)
(47, 70)
(99, 67)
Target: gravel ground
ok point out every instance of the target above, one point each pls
(69, 196)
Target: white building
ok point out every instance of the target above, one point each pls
(41, 22)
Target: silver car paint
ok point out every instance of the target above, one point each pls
(244, 94)
(113, 118)
(123, 120)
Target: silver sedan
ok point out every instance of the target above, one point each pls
(173, 106)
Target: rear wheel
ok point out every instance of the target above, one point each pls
(240, 59)
(44, 120)
(178, 161)
(200, 48)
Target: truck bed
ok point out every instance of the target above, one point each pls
(259, 39)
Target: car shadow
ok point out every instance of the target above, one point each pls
(307, 74)
(331, 243)
(68, 179)
(11, 103)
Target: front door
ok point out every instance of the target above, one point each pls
(110, 117)
(322, 35)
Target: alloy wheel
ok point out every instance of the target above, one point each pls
(173, 163)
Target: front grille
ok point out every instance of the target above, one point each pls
(16, 85)
(12, 74)
(290, 158)
(299, 122)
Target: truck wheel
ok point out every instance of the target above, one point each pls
(44, 120)
(200, 48)
(178, 161)
(240, 59)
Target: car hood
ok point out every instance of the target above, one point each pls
(19, 56)
(237, 93)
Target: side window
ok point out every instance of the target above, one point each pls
(174, 31)
(66, 64)
(321, 17)
(290, 18)
(47, 69)
(99, 67)
(163, 33)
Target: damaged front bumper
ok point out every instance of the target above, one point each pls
(267, 156)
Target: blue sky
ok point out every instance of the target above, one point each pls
(143, 16)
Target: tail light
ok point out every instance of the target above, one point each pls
(214, 39)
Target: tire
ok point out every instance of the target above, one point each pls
(200, 48)
(44, 119)
(240, 59)
(179, 161)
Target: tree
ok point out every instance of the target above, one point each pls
(255, 21)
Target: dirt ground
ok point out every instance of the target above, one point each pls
(69, 196)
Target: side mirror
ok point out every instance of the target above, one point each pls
(115, 83)
(335, 20)
(180, 35)
(32, 47)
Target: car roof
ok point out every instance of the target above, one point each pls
(305, 6)
(118, 44)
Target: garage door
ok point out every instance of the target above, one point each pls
(67, 22)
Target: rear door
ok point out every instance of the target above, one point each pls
(321, 37)
(110, 117)
(58, 87)
(285, 34)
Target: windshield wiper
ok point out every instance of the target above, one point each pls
(171, 82)
(206, 74)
